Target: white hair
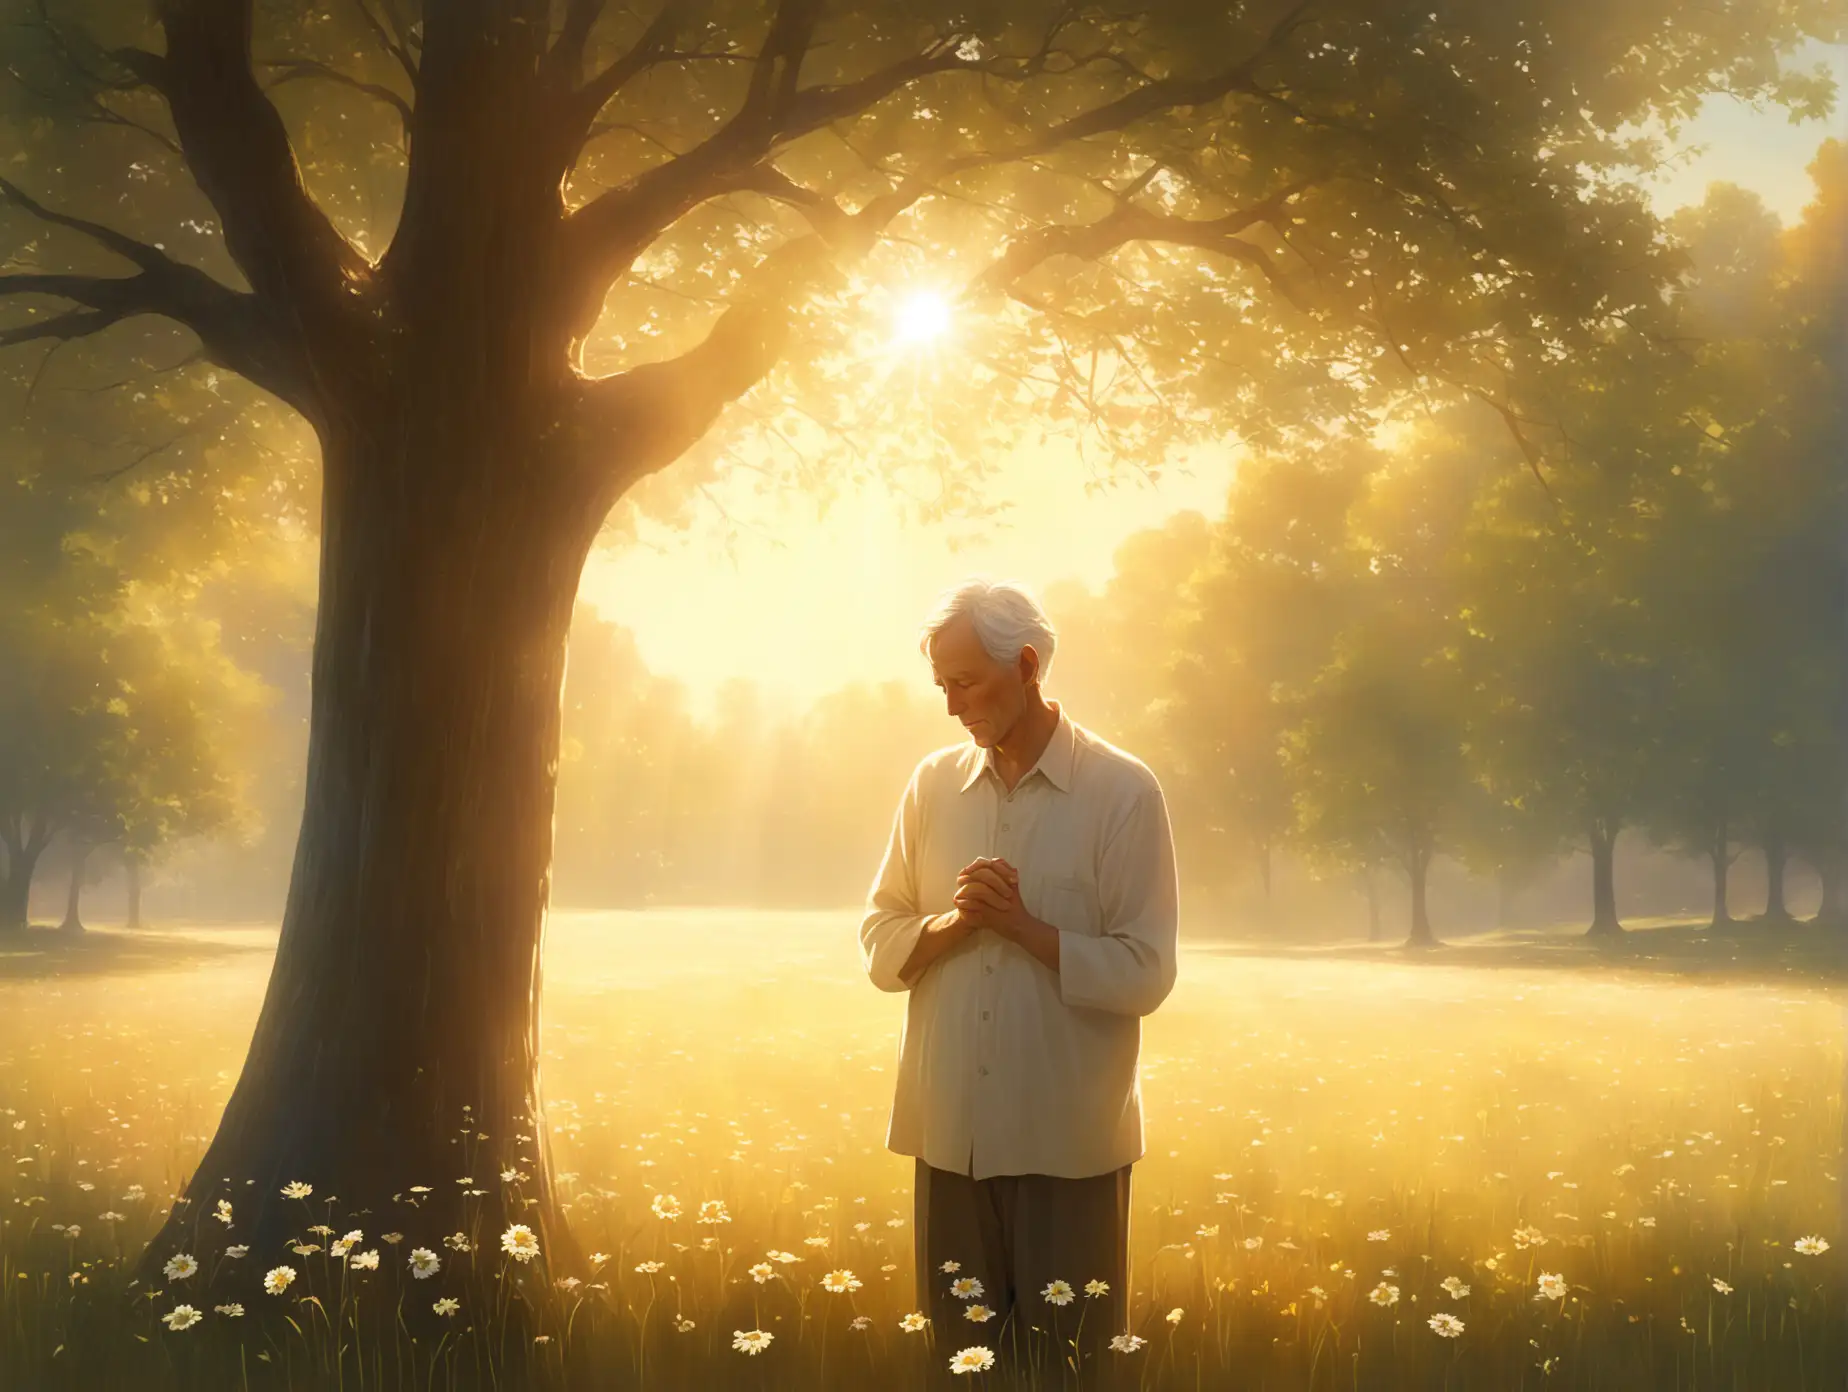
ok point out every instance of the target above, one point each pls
(1006, 616)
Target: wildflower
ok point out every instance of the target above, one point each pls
(861, 1322)
(179, 1266)
(519, 1243)
(1529, 1237)
(366, 1261)
(304, 1249)
(1811, 1246)
(966, 1288)
(912, 1323)
(181, 1317)
(713, 1211)
(1445, 1326)
(751, 1341)
(974, 1359)
(978, 1314)
(683, 1324)
(1058, 1293)
(1126, 1343)
(1093, 1289)
(295, 1189)
(424, 1263)
(815, 1242)
(231, 1311)
(321, 1230)
(1380, 1235)
(1721, 1286)
(133, 1192)
(598, 1258)
(223, 1213)
(394, 1238)
(458, 1242)
(1454, 1288)
(510, 1175)
(1174, 1315)
(1550, 1287)
(448, 1305)
(784, 1257)
(762, 1272)
(238, 1251)
(568, 1283)
(542, 1338)
(1383, 1294)
(666, 1206)
(648, 1268)
(278, 1279)
(1252, 1244)
(841, 1281)
(950, 1268)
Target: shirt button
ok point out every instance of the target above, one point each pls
(983, 1070)
(988, 971)
(984, 1014)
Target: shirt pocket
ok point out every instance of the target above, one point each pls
(1070, 904)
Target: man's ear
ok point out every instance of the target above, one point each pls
(1029, 665)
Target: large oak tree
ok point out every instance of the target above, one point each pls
(606, 229)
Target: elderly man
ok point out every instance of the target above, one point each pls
(1027, 901)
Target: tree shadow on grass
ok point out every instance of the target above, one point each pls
(37, 952)
(1792, 952)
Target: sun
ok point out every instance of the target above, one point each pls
(922, 317)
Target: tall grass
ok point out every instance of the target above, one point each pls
(1358, 1176)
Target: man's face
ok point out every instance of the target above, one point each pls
(985, 695)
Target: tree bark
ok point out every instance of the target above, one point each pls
(1719, 851)
(1777, 861)
(398, 1044)
(132, 871)
(22, 857)
(73, 915)
(1419, 865)
(1604, 922)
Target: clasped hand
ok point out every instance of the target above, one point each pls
(988, 896)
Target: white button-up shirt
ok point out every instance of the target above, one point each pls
(1004, 1066)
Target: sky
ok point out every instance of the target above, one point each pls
(804, 605)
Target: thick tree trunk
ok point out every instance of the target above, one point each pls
(1828, 862)
(1604, 922)
(73, 906)
(1419, 866)
(16, 885)
(1777, 861)
(1719, 852)
(398, 1043)
(132, 869)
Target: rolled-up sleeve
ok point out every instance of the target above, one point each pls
(1128, 968)
(893, 924)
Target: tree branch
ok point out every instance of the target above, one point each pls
(293, 69)
(232, 326)
(239, 152)
(394, 40)
(1129, 222)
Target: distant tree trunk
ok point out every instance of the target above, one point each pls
(1376, 928)
(1777, 860)
(73, 916)
(1719, 851)
(1829, 863)
(25, 840)
(1419, 864)
(1603, 838)
(132, 870)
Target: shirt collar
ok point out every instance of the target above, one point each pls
(1055, 761)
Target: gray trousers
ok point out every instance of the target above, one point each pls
(1016, 1234)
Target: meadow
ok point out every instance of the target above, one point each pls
(1473, 1171)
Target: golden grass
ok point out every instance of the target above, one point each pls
(1325, 1134)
